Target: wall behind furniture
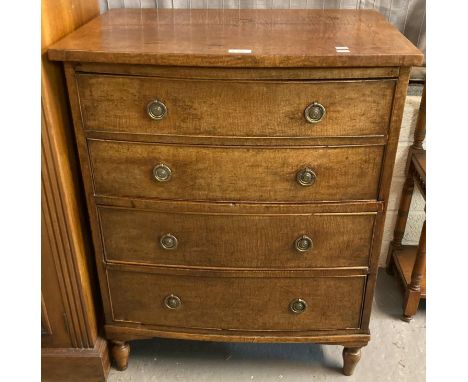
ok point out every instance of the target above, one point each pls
(416, 215)
(409, 16)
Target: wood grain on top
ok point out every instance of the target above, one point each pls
(203, 37)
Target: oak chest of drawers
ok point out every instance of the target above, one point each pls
(236, 167)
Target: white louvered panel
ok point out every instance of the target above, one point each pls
(132, 3)
(413, 29)
(248, 4)
(148, 3)
(114, 4)
(348, 4)
(315, 4)
(280, 4)
(197, 4)
(182, 4)
(298, 4)
(263, 4)
(331, 4)
(231, 4)
(164, 3)
(214, 4)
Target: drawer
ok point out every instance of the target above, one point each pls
(236, 301)
(235, 173)
(267, 238)
(223, 108)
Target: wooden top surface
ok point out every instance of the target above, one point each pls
(203, 37)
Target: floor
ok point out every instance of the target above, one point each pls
(395, 353)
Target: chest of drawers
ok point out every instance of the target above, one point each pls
(236, 167)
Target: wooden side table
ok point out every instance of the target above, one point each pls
(408, 262)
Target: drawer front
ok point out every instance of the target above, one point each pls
(243, 303)
(235, 173)
(270, 240)
(235, 109)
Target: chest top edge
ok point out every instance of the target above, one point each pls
(239, 38)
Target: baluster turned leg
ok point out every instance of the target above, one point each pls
(402, 218)
(120, 352)
(420, 130)
(413, 292)
(351, 357)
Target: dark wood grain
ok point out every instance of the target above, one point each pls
(85, 167)
(130, 331)
(236, 272)
(276, 38)
(333, 303)
(225, 73)
(247, 109)
(396, 118)
(384, 187)
(361, 140)
(212, 239)
(235, 173)
(351, 356)
(75, 364)
(46, 328)
(71, 347)
(234, 139)
(120, 352)
(240, 208)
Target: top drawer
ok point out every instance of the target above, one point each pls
(222, 108)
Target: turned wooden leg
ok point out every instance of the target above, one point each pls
(402, 218)
(390, 267)
(120, 351)
(413, 292)
(419, 131)
(351, 357)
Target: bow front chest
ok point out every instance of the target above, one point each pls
(237, 165)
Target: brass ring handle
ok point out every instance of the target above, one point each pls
(162, 173)
(156, 110)
(303, 243)
(315, 112)
(298, 306)
(172, 302)
(306, 176)
(168, 241)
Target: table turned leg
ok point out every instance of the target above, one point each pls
(402, 217)
(120, 352)
(351, 357)
(413, 292)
